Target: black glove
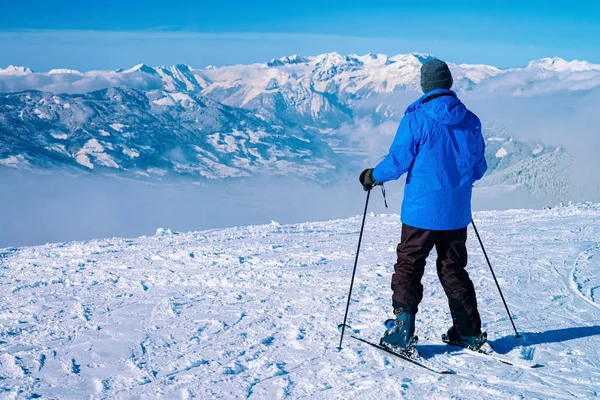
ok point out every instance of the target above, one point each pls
(366, 179)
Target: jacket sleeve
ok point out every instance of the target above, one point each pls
(480, 164)
(401, 154)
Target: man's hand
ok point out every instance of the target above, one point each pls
(366, 179)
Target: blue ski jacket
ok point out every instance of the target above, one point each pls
(439, 143)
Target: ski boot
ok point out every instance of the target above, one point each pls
(477, 343)
(400, 334)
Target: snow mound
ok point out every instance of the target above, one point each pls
(165, 232)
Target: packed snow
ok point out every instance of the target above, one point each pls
(14, 161)
(60, 136)
(501, 153)
(117, 127)
(252, 312)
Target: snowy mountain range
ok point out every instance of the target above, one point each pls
(153, 133)
(331, 73)
(293, 115)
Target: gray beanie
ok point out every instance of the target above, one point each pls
(435, 74)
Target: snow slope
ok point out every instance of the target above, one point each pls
(252, 313)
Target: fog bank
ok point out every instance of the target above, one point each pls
(36, 208)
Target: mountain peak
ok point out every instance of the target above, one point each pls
(183, 67)
(334, 56)
(424, 57)
(172, 68)
(141, 68)
(558, 64)
(548, 63)
(336, 59)
(293, 59)
(15, 70)
(373, 59)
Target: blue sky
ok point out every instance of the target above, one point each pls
(112, 34)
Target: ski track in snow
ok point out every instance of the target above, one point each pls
(252, 312)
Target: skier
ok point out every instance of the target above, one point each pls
(440, 145)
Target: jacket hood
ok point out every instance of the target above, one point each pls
(448, 110)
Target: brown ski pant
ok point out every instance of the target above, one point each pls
(413, 250)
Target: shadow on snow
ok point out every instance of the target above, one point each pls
(508, 343)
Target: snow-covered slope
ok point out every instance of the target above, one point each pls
(543, 175)
(152, 133)
(252, 313)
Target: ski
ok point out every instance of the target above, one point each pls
(491, 353)
(418, 361)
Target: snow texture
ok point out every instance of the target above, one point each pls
(252, 313)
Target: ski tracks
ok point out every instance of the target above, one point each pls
(584, 277)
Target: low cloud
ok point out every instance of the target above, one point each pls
(567, 120)
(36, 208)
(75, 83)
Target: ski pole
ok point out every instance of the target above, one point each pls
(362, 227)
(495, 280)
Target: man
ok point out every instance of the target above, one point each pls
(440, 145)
